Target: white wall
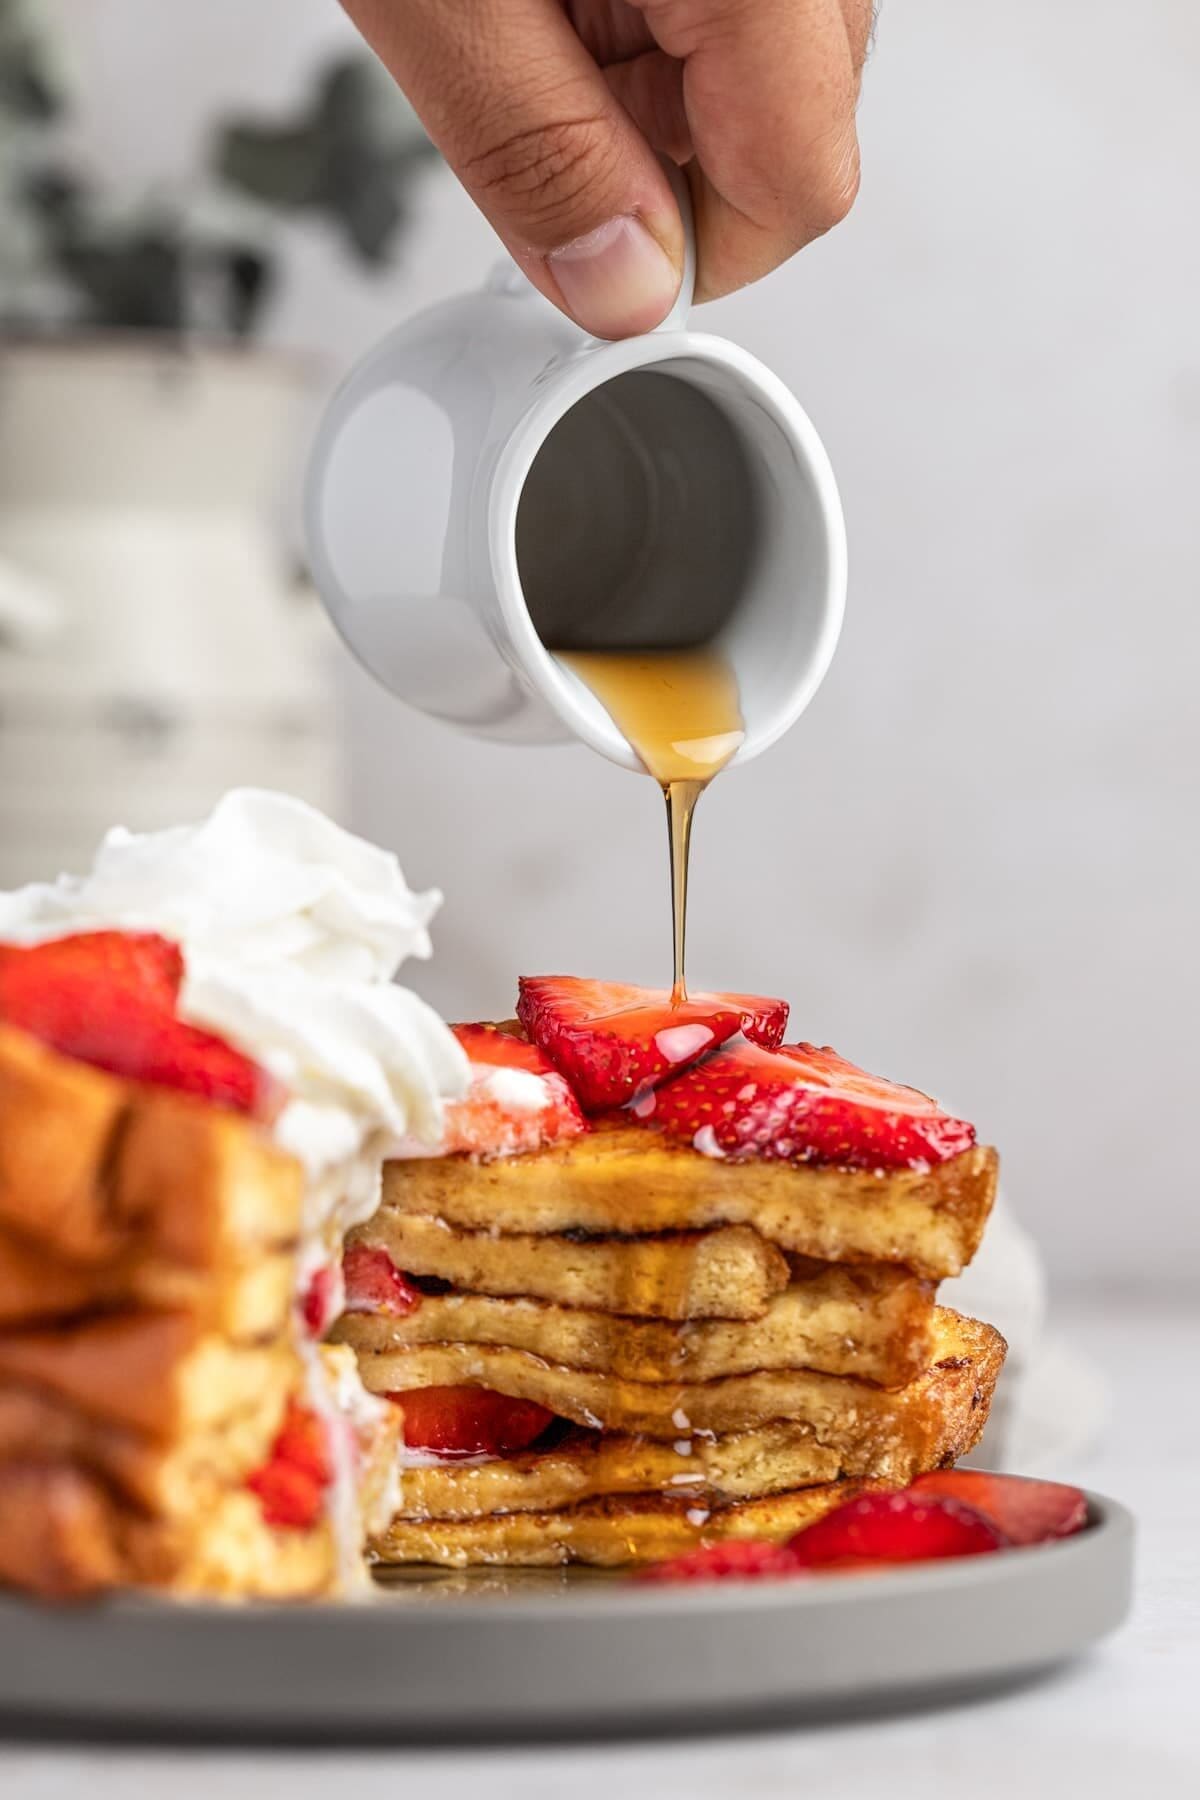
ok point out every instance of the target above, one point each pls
(976, 862)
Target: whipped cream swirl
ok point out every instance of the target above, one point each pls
(292, 931)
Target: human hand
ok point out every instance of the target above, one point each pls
(550, 112)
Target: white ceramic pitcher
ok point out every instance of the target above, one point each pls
(491, 484)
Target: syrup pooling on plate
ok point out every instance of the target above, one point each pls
(679, 710)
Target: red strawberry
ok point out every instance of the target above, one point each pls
(139, 960)
(375, 1285)
(801, 1104)
(894, 1528)
(289, 1497)
(517, 1101)
(1027, 1512)
(291, 1485)
(302, 1441)
(738, 1560)
(319, 1307)
(613, 1041)
(469, 1421)
(108, 999)
(502, 1046)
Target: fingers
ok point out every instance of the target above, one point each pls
(859, 16)
(769, 89)
(525, 118)
(650, 88)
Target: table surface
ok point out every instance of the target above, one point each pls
(1122, 1721)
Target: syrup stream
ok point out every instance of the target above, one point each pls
(678, 709)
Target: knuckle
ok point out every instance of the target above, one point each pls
(543, 170)
(833, 190)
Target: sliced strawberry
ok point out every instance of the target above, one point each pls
(613, 1041)
(303, 1442)
(289, 1496)
(894, 1528)
(375, 1285)
(140, 960)
(469, 1421)
(738, 1560)
(1026, 1511)
(319, 1307)
(107, 999)
(801, 1104)
(517, 1101)
(291, 1485)
(502, 1046)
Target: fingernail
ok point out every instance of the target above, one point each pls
(617, 280)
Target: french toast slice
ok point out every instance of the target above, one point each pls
(95, 1166)
(589, 1465)
(156, 1476)
(119, 1507)
(872, 1320)
(610, 1533)
(730, 1272)
(158, 1373)
(938, 1416)
(623, 1178)
(248, 1300)
(65, 1535)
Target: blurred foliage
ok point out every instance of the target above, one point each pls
(71, 260)
(351, 156)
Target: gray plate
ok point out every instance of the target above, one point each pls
(460, 1657)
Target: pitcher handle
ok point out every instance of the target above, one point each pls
(677, 318)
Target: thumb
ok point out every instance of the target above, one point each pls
(527, 122)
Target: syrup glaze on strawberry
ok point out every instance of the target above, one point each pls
(801, 1104)
(613, 1041)
(109, 998)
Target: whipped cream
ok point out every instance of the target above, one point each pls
(292, 930)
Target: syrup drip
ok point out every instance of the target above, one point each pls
(678, 709)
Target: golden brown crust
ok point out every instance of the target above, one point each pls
(624, 1178)
(871, 1320)
(157, 1373)
(937, 1417)
(607, 1533)
(728, 1273)
(59, 1532)
(745, 1465)
(96, 1167)
(64, 1535)
(248, 1300)
(162, 1479)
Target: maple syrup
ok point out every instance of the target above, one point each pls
(679, 710)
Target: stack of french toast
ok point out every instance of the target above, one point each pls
(167, 1418)
(666, 1281)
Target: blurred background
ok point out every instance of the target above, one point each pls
(976, 860)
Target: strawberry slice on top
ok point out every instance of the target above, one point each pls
(614, 1041)
(517, 1101)
(802, 1104)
